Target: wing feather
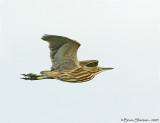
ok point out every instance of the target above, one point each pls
(63, 52)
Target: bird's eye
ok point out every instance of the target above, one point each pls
(92, 64)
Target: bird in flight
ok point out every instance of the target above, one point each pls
(65, 64)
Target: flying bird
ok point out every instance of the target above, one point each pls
(65, 64)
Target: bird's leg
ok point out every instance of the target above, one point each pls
(32, 76)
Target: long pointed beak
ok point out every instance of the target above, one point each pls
(103, 69)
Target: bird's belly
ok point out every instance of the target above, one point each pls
(76, 76)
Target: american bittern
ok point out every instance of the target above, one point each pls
(65, 65)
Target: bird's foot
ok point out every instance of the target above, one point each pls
(30, 76)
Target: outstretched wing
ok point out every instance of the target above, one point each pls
(63, 52)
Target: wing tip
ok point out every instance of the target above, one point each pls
(46, 37)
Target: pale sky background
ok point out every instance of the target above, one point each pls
(124, 34)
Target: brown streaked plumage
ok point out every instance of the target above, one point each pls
(65, 64)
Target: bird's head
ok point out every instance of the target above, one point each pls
(91, 66)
